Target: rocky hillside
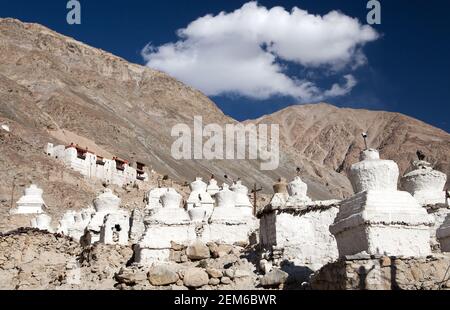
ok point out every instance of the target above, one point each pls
(331, 137)
(55, 89)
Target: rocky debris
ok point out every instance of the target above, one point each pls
(198, 251)
(384, 273)
(214, 273)
(214, 282)
(130, 276)
(195, 278)
(31, 259)
(160, 275)
(274, 278)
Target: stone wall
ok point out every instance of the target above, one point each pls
(362, 272)
(303, 237)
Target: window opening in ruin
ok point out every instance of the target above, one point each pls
(120, 163)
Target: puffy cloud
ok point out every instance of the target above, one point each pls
(249, 51)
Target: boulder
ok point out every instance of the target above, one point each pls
(195, 278)
(197, 251)
(274, 278)
(242, 273)
(225, 280)
(160, 275)
(215, 281)
(224, 249)
(130, 277)
(214, 273)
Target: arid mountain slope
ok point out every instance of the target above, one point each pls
(330, 136)
(55, 89)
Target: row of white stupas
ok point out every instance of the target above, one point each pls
(378, 219)
(212, 214)
(223, 215)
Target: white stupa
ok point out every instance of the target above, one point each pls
(425, 184)
(297, 190)
(379, 219)
(200, 198)
(170, 223)
(31, 202)
(241, 199)
(443, 235)
(213, 188)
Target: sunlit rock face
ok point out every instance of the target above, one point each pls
(372, 173)
(30, 203)
(425, 184)
(379, 219)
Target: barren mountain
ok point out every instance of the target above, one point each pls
(331, 137)
(55, 89)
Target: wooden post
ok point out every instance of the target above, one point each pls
(12, 192)
(255, 191)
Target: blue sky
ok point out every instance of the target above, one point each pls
(405, 69)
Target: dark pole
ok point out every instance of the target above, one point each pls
(12, 191)
(255, 191)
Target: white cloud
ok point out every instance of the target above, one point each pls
(241, 52)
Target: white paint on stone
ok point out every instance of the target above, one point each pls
(30, 203)
(42, 222)
(115, 228)
(5, 128)
(92, 166)
(213, 187)
(299, 226)
(229, 224)
(443, 235)
(200, 198)
(425, 184)
(242, 200)
(164, 224)
(305, 238)
(106, 222)
(297, 190)
(371, 173)
(378, 219)
(74, 224)
(153, 198)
